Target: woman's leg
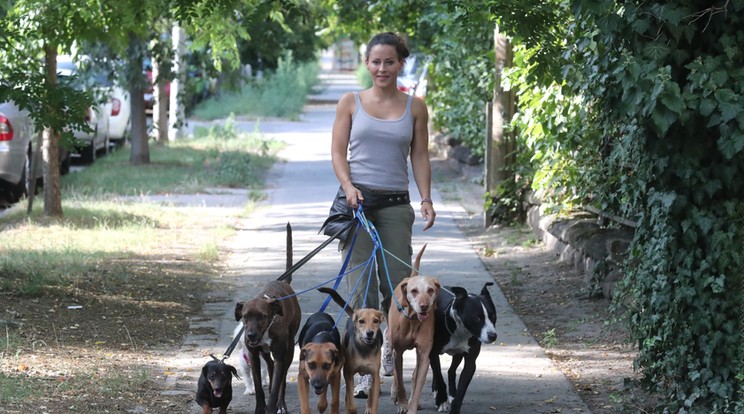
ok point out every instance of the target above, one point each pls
(360, 255)
(395, 227)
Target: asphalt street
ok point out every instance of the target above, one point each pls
(513, 375)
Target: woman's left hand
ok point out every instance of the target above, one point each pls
(428, 214)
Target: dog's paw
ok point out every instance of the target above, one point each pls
(402, 409)
(444, 408)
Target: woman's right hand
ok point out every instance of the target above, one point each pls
(353, 196)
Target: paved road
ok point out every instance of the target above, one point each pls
(513, 375)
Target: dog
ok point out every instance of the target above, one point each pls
(214, 388)
(463, 323)
(412, 326)
(362, 343)
(271, 324)
(244, 364)
(321, 359)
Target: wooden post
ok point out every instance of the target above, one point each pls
(490, 176)
(499, 145)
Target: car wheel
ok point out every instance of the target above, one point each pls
(88, 154)
(64, 163)
(20, 190)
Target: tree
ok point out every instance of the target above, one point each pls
(36, 29)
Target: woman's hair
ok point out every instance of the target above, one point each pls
(390, 39)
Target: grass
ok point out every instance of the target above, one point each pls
(133, 266)
(104, 224)
(280, 94)
(14, 389)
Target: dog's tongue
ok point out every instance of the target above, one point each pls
(217, 394)
(423, 316)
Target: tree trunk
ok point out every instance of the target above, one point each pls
(140, 152)
(160, 109)
(177, 117)
(50, 149)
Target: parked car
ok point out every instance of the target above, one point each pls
(413, 78)
(149, 89)
(117, 106)
(16, 133)
(97, 117)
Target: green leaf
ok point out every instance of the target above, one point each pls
(672, 98)
(662, 119)
(707, 106)
(728, 104)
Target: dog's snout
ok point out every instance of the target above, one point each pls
(492, 336)
(424, 307)
(370, 334)
(252, 336)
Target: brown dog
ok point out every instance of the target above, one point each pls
(412, 326)
(361, 343)
(270, 326)
(320, 362)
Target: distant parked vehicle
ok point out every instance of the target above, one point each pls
(16, 132)
(89, 144)
(413, 78)
(118, 108)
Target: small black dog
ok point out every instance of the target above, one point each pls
(214, 388)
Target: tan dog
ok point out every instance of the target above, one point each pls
(320, 362)
(361, 343)
(270, 328)
(412, 326)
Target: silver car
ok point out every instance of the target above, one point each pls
(97, 118)
(16, 133)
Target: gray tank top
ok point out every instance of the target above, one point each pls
(379, 149)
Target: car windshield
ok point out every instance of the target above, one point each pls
(88, 78)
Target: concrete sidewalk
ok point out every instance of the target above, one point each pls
(513, 375)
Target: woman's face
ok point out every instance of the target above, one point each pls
(383, 65)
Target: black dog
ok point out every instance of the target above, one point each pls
(214, 388)
(463, 322)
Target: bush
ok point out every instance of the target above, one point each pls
(280, 94)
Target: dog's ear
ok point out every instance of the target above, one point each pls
(233, 371)
(381, 315)
(485, 291)
(205, 370)
(335, 356)
(404, 293)
(276, 307)
(302, 354)
(238, 311)
(460, 296)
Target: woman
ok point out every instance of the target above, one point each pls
(374, 134)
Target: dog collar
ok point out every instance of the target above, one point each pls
(403, 311)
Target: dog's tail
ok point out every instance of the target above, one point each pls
(338, 299)
(289, 253)
(418, 262)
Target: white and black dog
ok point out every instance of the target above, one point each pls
(463, 322)
(244, 366)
